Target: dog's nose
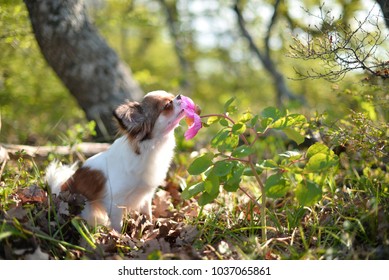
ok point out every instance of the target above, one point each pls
(178, 97)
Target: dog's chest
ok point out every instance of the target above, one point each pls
(146, 171)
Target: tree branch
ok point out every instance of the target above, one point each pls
(270, 27)
(282, 90)
(86, 149)
(343, 49)
(172, 23)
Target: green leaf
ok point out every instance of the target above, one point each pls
(249, 172)
(318, 148)
(292, 155)
(268, 164)
(296, 119)
(276, 186)
(207, 198)
(220, 137)
(321, 162)
(212, 120)
(193, 190)
(201, 164)
(294, 135)
(289, 121)
(272, 112)
(211, 184)
(229, 143)
(231, 187)
(254, 121)
(222, 168)
(242, 151)
(308, 193)
(228, 105)
(246, 117)
(223, 122)
(238, 128)
(265, 123)
(233, 182)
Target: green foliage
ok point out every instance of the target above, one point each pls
(33, 102)
(35, 109)
(324, 200)
(78, 133)
(292, 171)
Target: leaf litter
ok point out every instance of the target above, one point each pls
(37, 226)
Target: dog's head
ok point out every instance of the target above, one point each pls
(153, 118)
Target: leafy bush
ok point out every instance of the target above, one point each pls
(234, 154)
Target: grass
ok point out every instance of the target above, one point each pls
(351, 221)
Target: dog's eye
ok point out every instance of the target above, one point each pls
(168, 106)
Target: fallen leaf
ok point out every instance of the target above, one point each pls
(163, 231)
(32, 194)
(162, 204)
(18, 213)
(63, 208)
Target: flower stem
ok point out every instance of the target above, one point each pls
(262, 206)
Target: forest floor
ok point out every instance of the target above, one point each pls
(37, 225)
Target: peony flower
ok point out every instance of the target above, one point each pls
(192, 117)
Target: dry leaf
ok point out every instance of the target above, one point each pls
(18, 213)
(63, 208)
(32, 194)
(162, 204)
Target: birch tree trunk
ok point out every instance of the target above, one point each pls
(82, 59)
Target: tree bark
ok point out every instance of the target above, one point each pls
(171, 12)
(283, 93)
(384, 5)
(82, 59)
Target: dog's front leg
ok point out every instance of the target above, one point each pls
(117, 218)
(145, 208)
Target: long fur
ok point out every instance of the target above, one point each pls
(132, 168)
(57, 174)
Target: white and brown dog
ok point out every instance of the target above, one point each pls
(126, 175)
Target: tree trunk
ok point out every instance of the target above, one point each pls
(283, 93)
(384, 5)
(170, 8)
(82, 59)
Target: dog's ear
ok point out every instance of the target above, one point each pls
(132, 120)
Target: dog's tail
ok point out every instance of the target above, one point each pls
(57, 174)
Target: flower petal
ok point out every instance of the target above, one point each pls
(192, 117)
(194, 128)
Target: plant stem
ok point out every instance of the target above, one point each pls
(219, 115)
(262, 206)
(263, 201)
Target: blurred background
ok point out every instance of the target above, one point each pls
(258, 51)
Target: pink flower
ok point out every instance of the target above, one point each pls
(192, 117)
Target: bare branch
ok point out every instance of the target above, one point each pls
(341, 49)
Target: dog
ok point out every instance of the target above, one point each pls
(125, 176)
